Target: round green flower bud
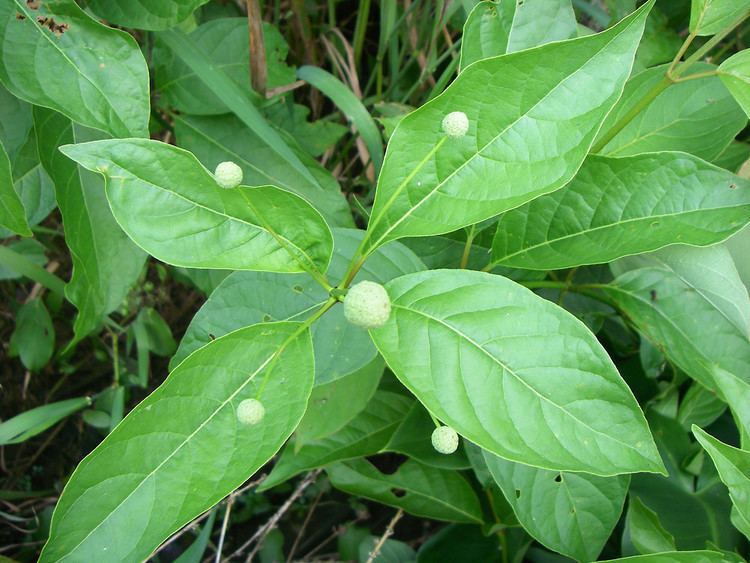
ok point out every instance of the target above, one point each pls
(228, 175)
(367, 305)
(456, 124)
(250, 411)
(445, 440)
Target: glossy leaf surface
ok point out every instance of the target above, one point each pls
(58, 53)
(185, 448)
(735, 74)
(513, 373)
(172, 207)
(148, 14)
(529, 131)
(615, 207)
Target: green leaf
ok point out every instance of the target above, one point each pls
(172, 207)
(418, 489)
(245, 298)
(615, 207)
(34, 336)
(223, 42)
(733, 156)
(350, 105)
(571, 513)
(460, 542)
(106, 262)
(513, 373)
(495, 28)
(733, 466)
(12, 213)
(660, 42)
(529, 142)
(95, 75)
(221, 138)
(152, 15)
(391, 551)
(335, 403)
(366, 434)
(708, 17)
(184, 446)
(692, 304)
(194, 553)
(736, 393)
(15, 122)
(676, 557)
(35, 421)
(315, 137)
(699, 116)
(735, 74)
(646, 532)
(700, 406)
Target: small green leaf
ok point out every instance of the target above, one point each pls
(733, 466)
(152, 15)
(735, 74)
(675, 557)
(65, 60)
(184, 446)
(106, 262)
(708, 17)
(418, 489)
(12, 213)
(35, 421)
(366, 434)
(34, 336)
(172, 207)
(736, 393)
(699, 116)
(513, 373)
(646, 532)
(571, 513)
(517, 147)
(495, 28)
(615, 207)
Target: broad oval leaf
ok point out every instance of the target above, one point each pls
(172, 207)
(184, 447)
(692, 304)
(571, 513)
(645, 530)
(106, 262)
(529, 131)
(708, 17)
(418, 489)
(366, 434)
(246, 298)
(733, 466)
(620, 206)
(735, 74)
(59, 64)
(699, 116)
(496, 28)
(152, 15)
(513, 373)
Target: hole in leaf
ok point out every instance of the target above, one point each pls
(298, 288)
(399, 493)
(558, 477)
(388, 463)
(518, 493)
(266, 318)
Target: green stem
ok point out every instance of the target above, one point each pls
(467, 248)
(710, 44)
(22, 265)
(696, 76)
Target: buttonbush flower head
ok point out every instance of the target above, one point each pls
(250, 411)
(445, 440)
(367, 305)
(228, 175)
(456, 124)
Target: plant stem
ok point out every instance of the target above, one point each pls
(710, 44)
(22, 265)
(258, 70)
(467, 248)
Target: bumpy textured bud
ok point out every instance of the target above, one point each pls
(456, 124)
(367, 305)
(445, 440)
(250, 411)
(228, 175)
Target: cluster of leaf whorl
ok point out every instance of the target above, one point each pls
(367, 305)
(250, 411)
(456, 124)
(445, 440)
(228, 175)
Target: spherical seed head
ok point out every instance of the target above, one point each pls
(367, 305)
(456, 124)
(228, 175)
(250, 411)
(445, 440)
